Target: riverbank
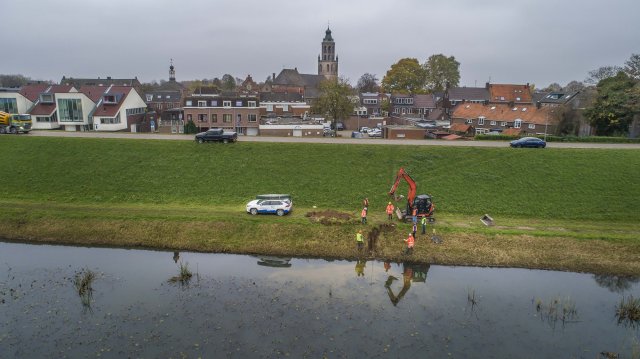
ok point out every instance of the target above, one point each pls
(564, 209)
(601, 248)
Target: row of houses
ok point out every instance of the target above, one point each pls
(118, 105)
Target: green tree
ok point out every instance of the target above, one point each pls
(334, 101)
(440, 70)
(368, 83)
(554, 87)
(615, 105)
(228, 83)
(406, 76)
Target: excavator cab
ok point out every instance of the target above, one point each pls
(425, 206)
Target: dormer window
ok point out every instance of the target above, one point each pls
(109, 99)
(226, 103)
(46, 98)
(149, 98)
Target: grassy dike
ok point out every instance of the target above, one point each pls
(565, 209)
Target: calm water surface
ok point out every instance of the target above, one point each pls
(251, 307)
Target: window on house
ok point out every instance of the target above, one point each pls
(188, 103)
(214, 118)
(252, 117)
(503, 123)
(202, 117)
(46, 98)
(239, 103)
(189, 117)
(493, 123)
(469, 121)
(202, 103)
(252, 104)
(226, 103)
(269, 108)
(239, 118)
(149, 98)
(9, 105)
(480, 120)
(109, 99)
(517, 123)
(285, 108)
(227, 117)
(532, 126)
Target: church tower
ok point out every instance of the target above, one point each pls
(328, 61)
(172, 72)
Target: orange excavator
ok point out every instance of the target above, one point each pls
(423, 203)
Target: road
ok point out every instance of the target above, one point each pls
(338, 140)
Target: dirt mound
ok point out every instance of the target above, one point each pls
(330, 217)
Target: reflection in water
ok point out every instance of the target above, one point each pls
(176, 257)
(615, 283)
(411, 273)
(360, 265)
(277, 262)
(314, 309)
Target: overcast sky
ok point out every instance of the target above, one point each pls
(505, 41)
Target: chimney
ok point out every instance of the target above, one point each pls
(108, 77)
(486, 85)
(274, 76)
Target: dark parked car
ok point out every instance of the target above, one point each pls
(529, 142)
(217, 134)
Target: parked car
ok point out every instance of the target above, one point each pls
(529, 142)
(277, 206)
(375, 132)
(356, 134)
(339, 126)
(217, 134)
(364, 129)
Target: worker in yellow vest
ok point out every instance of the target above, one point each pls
(359, 240)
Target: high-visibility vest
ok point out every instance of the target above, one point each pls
(359, 237)
(410, 242)
(424, 220)
(389, 208)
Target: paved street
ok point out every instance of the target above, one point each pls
(345, 139)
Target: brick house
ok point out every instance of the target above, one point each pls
(285, 105)
(233, 112)
(525, 119)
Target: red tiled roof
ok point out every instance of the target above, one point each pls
(31, 92)
(45, 109)
(459, 127)
(510, 93)
(502, 112)
(94, 93)
(110, 110)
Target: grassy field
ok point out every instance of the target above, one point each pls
(571, 209)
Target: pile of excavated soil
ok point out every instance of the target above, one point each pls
(330, 217)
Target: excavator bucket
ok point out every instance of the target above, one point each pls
(399, 214)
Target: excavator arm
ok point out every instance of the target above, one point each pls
(403, 175)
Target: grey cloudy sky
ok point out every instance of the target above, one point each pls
(507, 41)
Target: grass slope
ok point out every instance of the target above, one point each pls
(550, 183)
(567, 209)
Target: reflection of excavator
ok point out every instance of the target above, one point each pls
(422, 202)
(411, 273)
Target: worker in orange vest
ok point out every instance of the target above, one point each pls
(390, 209)
(363, 215)
(410, 243)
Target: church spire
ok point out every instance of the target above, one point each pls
(172, 72)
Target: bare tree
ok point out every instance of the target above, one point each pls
(602, 73)
(368, 83)
(632, 66)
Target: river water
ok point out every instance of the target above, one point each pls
(263, 307)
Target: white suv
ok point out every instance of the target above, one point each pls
(277, 206)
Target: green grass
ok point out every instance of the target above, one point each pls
(584, 184)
